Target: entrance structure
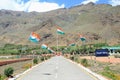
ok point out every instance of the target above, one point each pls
(113, 50)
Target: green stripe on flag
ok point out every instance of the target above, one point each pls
(60, 32)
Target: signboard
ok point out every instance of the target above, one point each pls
(101, 52)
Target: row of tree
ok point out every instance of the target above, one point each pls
(30, 49)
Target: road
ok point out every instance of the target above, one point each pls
(57, 68)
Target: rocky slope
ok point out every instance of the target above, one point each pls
(96, 22)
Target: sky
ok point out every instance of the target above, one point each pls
(48, 5)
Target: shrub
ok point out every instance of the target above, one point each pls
(48, 57)
(27, 66)
(2, 77)
(117, 77)
(109, 74)
(8, 71)
(72, 58)
(84, 62)
(117, 55)
(42, 58)
(107, 68)
(76, 58)
(45, 58)
(35, 61)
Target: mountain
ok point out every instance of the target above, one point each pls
(96, 22)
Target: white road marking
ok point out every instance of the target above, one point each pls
(56, 63)
(56, 67)
(56, 76)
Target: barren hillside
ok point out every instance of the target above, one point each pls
(98, 23)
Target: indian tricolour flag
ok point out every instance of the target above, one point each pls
(44, 46)
(82, 38)
(72, 44)
(60, 31)
(34, 37)
(50, 50)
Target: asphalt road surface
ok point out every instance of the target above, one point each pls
(57, 68)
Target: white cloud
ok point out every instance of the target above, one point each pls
(43, 7)
(114, 2)
(6, 4)
(31, 5)
(88, 1)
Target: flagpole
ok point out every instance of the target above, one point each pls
(57, 43)
(59, 31)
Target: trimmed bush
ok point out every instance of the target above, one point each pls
(35, 61)
(8, 71)
(42, 58)
(72, 58)
(84, 62)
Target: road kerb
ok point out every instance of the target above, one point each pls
(25, 72)
(88, 70)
